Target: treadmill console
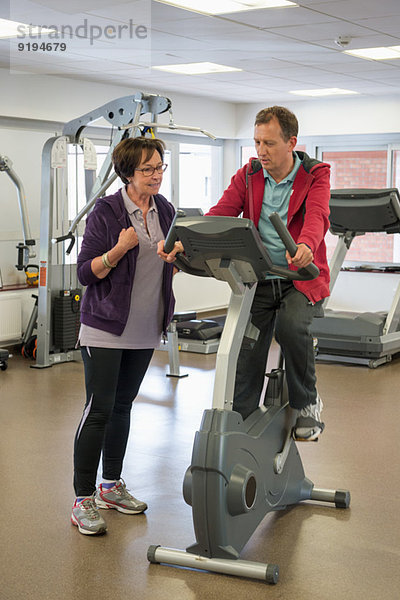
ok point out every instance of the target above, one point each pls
(365, 210)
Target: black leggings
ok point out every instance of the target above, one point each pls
(113, 379)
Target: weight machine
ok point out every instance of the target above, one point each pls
(59, 290)
(25, 249)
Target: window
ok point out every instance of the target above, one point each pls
(76, 177)
(361, 169)
(193, 178)
(166, 186)
(195, 174)
(77, 189)
(396, 168)
(248, 151)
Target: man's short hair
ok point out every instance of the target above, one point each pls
(286, 119)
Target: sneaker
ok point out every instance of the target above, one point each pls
(308, 426)
(86, 517)
(118, 497)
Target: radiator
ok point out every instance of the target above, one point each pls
(10, 317)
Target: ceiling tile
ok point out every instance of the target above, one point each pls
(356, 9)
(277, 50)
(389, 25)
(268, 18)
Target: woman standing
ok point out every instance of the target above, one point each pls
(127, 305)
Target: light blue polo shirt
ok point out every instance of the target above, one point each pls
(276, 199)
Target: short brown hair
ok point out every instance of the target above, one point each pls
(127, 155)
(286, 119)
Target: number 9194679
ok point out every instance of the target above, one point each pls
(42, 47)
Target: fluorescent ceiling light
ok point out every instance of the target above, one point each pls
(199, 68)
(220, 7)
(322, 92)
(380, 53)
(11, 29)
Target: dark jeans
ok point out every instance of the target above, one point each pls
(112, 378)
(278, 305)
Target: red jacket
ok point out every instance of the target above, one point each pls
(308, 213)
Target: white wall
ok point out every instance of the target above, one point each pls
(200, 293)
(355, 115)
(364, 292)
(62, 99)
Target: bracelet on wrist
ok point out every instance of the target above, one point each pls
(106, 262)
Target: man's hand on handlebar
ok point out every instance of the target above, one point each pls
(302, 258)
(171, 257)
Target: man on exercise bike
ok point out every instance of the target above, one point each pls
(297, 187)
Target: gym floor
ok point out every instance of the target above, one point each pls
(322, 552)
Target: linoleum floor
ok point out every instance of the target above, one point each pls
(323, 552)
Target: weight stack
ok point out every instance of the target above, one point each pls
(66, 321)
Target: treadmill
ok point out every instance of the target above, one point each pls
(370, 338)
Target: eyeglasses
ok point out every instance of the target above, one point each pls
(149, 171)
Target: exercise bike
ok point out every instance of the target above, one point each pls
(240, 470)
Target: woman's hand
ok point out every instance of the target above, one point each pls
(171, 257)
(127, 239)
